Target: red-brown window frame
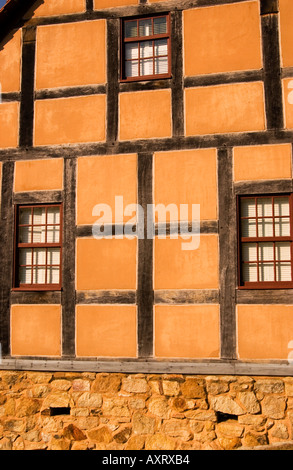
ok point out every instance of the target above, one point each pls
(241, 240)
(17, 246)
(140, 39)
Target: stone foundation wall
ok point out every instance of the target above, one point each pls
(79, 411)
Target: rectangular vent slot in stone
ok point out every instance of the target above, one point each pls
(221, 417)
(59, 411)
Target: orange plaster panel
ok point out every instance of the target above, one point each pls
(176, 268)
(99, 180)
(106, 331)
(145, 115)
(36, 330)
(70, 120)
(29, 175)
(187, 331)
(288, 102)
(260, 162)
(192, 179)
(99, 4)
(286, 32)
(264, 331)
(9, 113)
(237, 107)
(106, 264)
(10, 63)
(65, 55)
(222, 38)
(60, 7)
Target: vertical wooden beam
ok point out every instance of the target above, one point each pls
(113, 34)
(145, 293)
(228, 254)
(272, 64)
(68, 271)
(6, 254)
(177, 86)
(26, 120)
(89, 4)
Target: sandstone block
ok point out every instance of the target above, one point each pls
(143, 424)
(252, 439)
(158, 406)
(193, 388)
(230, 428)
(90, 400)
(177, 428)
(133, 384)
(107, 383)
(115, 407)
(274, 407)
(225, 404)
(102, 434)
(249, 402)
(135, 443)
(269, 386)
(229, 443)
(160, 442)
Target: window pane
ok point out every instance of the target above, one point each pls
(160, 25)
(53, 215)
(39, 234)
(53, 233)
(147, 67)
(39, 216)
(130, 29)
(266, 252)
(266, 272)
(25, 216)
(25, 275)
(248, 208)
(249, 252)
(145, 27)
(248, 227)
(282, 227)
(39, 275)
(161, 47)
(249, 272)
(283, 251)
(131, 68)
(264, 207)
(161, 65)
(25, 256)
(283, 272)
(53, 275)
(25, 235)
(53, 256)
(39, 256)
(281, 206)
(265, 228)
(146, 49)
(131, 50)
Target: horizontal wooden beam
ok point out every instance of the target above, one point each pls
(149, 145)
(209, 367)
(181, 297)
(106, 297)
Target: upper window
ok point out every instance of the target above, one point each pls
(265, 248)
(146, 48)
(38, 247)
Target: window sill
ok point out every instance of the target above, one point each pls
(146, 78)
(37, 289)
(267, 286)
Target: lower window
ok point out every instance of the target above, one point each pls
(265, 241)
(38, 247)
